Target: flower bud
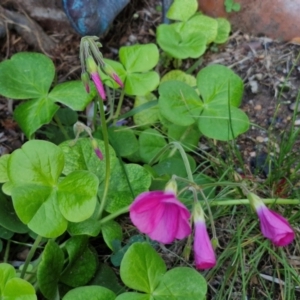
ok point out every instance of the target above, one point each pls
(108, 70)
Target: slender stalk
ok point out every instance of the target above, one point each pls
(107, 160)
(30, 255)
(114, 215)
(246, 201)
(195, 65)
(6, 254)
(61, 127)
(120, 103)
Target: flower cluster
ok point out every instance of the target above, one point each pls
(161, 216)
(89, 55)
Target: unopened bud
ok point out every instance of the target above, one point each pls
(108, 70)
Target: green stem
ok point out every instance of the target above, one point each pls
(107, 160)
(120, 103)
(61, 127)
(195, 65)
(114, 215)
(6, 254)
(30, 255)
(246, 201)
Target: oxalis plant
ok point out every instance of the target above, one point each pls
(66, 193)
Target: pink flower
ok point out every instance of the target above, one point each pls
(161, 216)
(111, 73)
(203, 251)
(275, 227)
(98, 83)
(272, 225)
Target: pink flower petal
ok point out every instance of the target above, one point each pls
(161, 216)
(203, 251)
(99, 86)
(275, 227)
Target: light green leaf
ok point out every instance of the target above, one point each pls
(72, 94)
(90, 293)
(216, 122)
(182, 10)
(18, 289)
(133, 296)
(32, 114)
(139, 58)
(26, 75)
(151, 142)
(148, 116)
(181, 41)
(7, 272)
(181, 283)
(204, 25)
(142, 268)
(179, 76)
(221, 85)
(3, 168)
(140, 84)
(179, 103)
(79, 206)
(224, 28)
(119, 193)
(111, 231)
(81, 156)
(49, 270)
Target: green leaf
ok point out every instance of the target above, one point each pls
(236, 7)
(49, 270)
(81, 156)
(90, 227)
(67, 116)
(3, 168)
(119, 193)
(181, 283)
(26, 76)
(188, 136)
(111, 231)
(7, 272)
(83, 262)
(181, 41)
(32, 114)
(139, 58)
(18, 289)
(133, 296)
(202, 24)
(79, 206)
(123, 140)
(90, 293)
(148, 116)
(218, 123)
(140, 84)
(224, 29)
(151, 142)
(179, 76)
(182, 10)
(8, 217)
(179, 103)
(72, 94)
(106, 277)
(219, 84)
(142, 268)
(5, 233)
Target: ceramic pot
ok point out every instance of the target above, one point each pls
(277, 19)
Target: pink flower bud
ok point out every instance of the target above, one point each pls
(272, 225)
(161, 216)
(108, 70)
(96, 149)
(203, 250)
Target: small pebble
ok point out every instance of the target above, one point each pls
(294, 105)
(260, 139)
(257, 107)
(254, 86)
(297, 122)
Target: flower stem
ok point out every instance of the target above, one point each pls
(107, 160)
(30, 255)
(120, 103)
(114, 215)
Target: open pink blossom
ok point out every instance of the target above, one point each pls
(273, 226)
(161, 216)
(204, 254)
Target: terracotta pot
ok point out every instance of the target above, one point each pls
(277, 19)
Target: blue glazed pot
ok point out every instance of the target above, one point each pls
(92, 17)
